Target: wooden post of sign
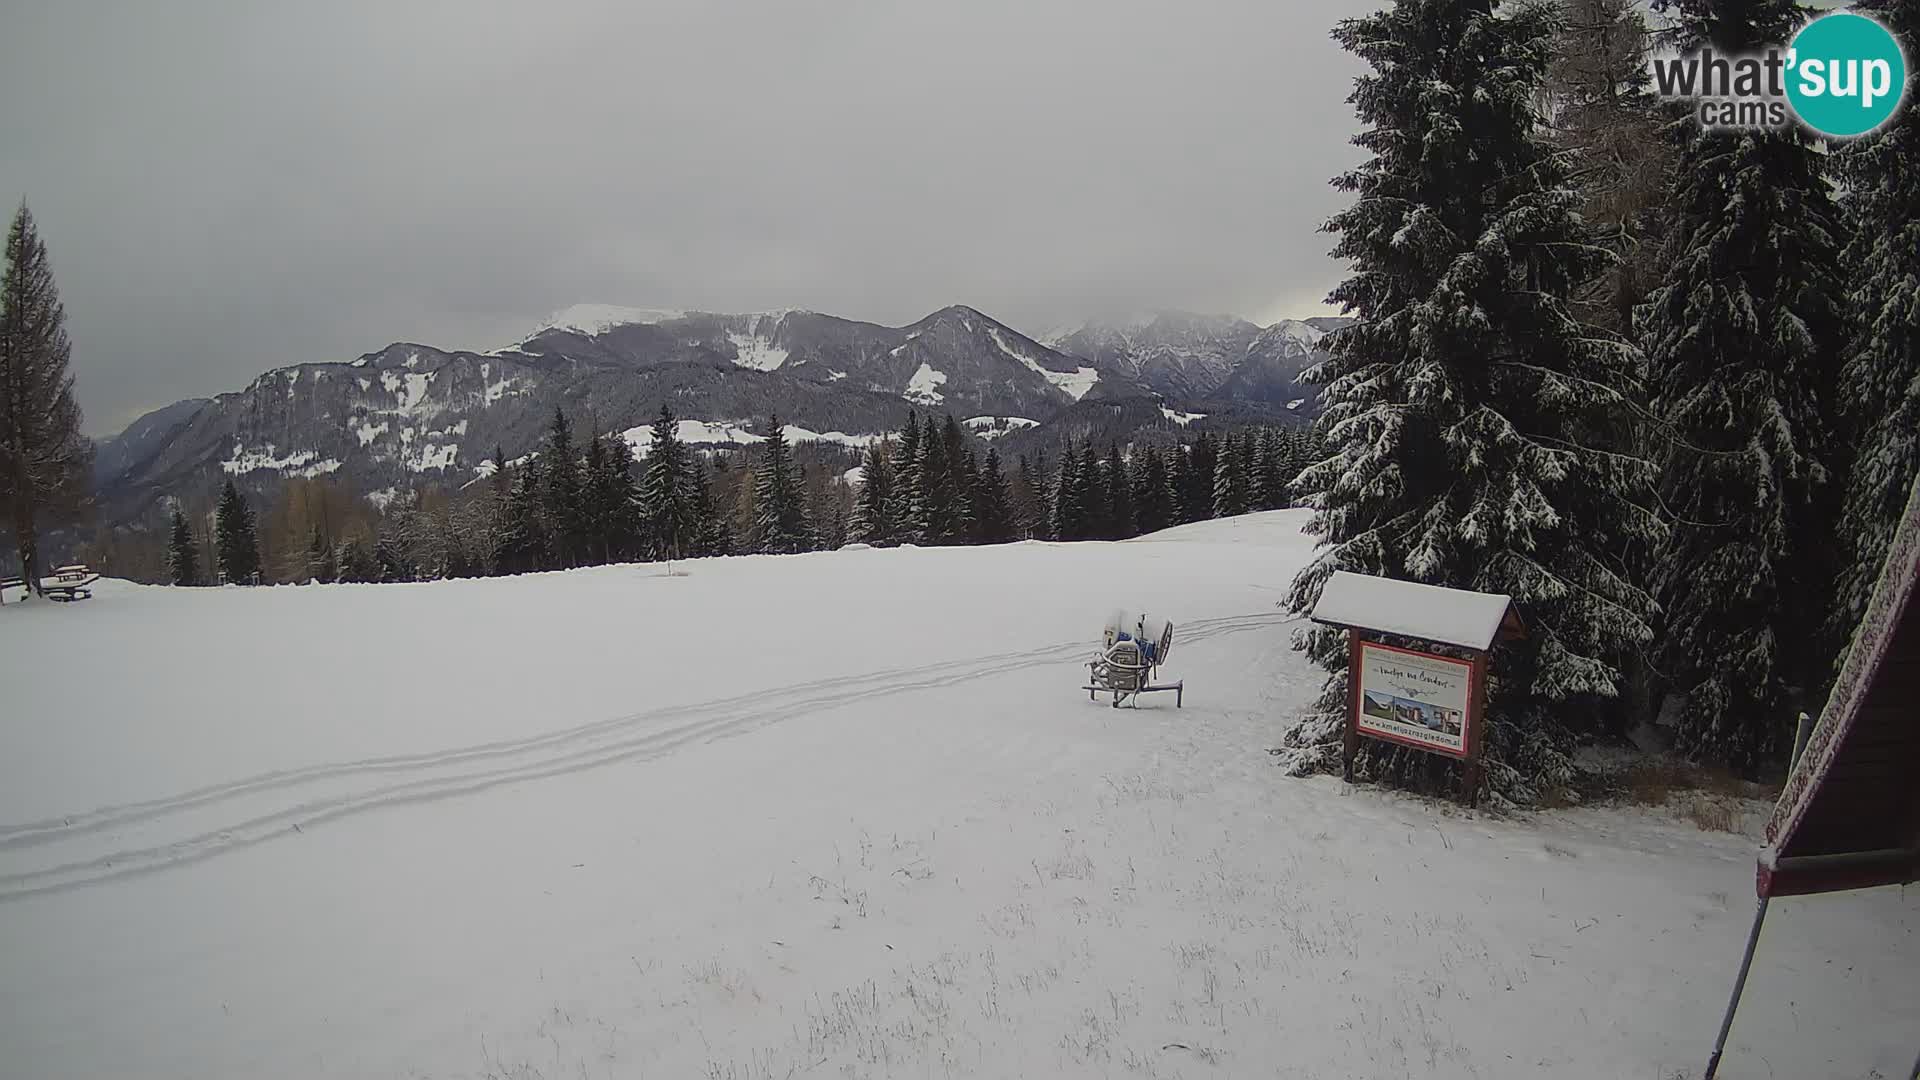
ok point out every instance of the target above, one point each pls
(1476, 738)
(1350, 747)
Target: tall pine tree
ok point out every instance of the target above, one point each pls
(1069, 498)
(1230, 474)
(993, 502)
(560, 496)
(1152, 493)
(780, 515)
(46, 464)
(1459, 403)
(182, 565)
(908, 524)
(1120, 522)
(238, 545)
(873, 508)
(1742, 337)
(1880, 399)
(667, 495)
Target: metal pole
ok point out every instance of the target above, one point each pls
(1739, 985)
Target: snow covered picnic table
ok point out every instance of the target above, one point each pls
(67, 584)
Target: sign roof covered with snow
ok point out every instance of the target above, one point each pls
(1850, 815)
(1470, 620)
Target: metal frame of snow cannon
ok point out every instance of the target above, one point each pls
(1128, 663)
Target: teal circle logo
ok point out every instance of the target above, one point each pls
(1846, 74)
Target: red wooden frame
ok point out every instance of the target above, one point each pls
(1470, 722)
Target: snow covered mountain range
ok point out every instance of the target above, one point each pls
(412, 413)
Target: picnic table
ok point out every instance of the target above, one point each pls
(68, 583)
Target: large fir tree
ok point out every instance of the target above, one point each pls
(1458, 405)
(1196, 493)
(1742, 337)
(873, 521)
(1120, 518)
(1069, 498)
(182, 564)
(234, 535)
(780, 513)
(667, 496)
(993, 502)
(909, 526)
(1230, 475)
(560, 496)
(46, 463)
(1880, 381)
(935, 510)
(1152, 494)
(1029, 501)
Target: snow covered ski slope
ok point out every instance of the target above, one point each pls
(842, 814)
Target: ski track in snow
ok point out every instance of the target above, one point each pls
(467, 770)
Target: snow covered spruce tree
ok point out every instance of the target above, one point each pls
(993, 503)
(1120, 512)
(46, 464)
(560, 503)
(1230, 474)
(1458, 407)
(1880, 379)
(1742, 337)
(234, 535)
(780, 514)
(667, 495)
(909, 527)
(1152, 497)
(873, 521)
(182, 566)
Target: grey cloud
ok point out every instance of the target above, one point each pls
(230, 187)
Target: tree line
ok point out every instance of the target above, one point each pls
(577, 502)
(1656, 382)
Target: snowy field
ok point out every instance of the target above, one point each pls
(841, 814)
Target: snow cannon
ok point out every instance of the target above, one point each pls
(1132, 649)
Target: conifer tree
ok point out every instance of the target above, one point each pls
(1120, 521)
(1179, 482)
(961, 469)
(560, 501)
(1152, 493)
(1742, 337)
(1230, 478)
(1069, 498)
(1203, 461)
(1602, 114)
(598, 503)
(908, 525)
(1880, 381)
(1096, 514)
(239, 547)
(714, 533)
(780, 515)
(522, 545)
(994, 502)
(933, 507)
(182, 568)
(1028, 506)
(667, 496)
(46, 463)
(873, 521)
(1461, 402)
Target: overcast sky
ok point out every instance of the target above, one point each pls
(226, 188)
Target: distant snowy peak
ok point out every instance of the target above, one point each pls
(592, 319)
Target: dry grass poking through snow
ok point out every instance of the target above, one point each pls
(1714, 800)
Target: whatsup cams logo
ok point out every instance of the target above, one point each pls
(1843, 74)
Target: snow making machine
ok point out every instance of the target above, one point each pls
(1130, 656)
